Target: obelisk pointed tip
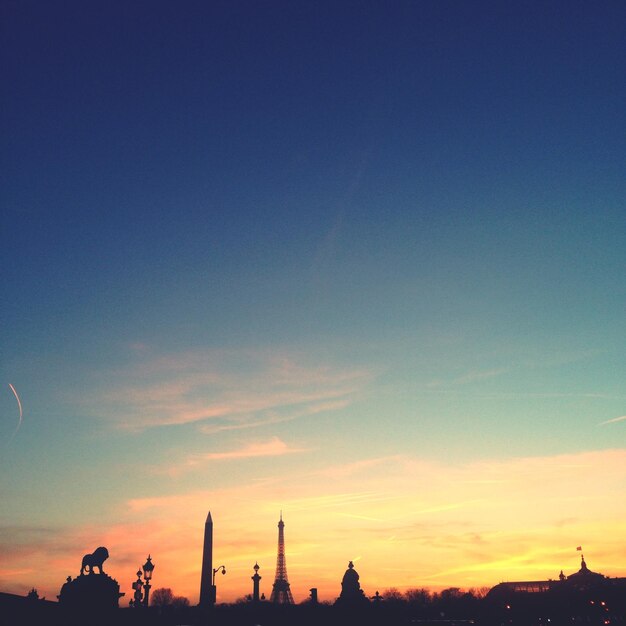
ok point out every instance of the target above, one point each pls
(209, 519)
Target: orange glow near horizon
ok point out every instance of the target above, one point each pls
(248, 269)
(405, 524)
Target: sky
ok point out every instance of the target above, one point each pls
(359, 262)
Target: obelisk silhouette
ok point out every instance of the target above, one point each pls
(207, 596)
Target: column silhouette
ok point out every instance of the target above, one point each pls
(255, 586)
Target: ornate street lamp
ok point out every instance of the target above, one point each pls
(138, 589)
(213, 587)
(147, 568)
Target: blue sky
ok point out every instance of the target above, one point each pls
(246, 238)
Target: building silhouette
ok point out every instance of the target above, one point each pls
(351, 592)
(581, 580)
(207, 593)
(583, 596)
(281, 593)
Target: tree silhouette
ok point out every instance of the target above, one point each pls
(393, 596)
(418, 597)
(244, 599)
(163, 596)
(180, 602)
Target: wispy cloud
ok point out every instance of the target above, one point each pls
(273, 447)
(452, 524)
(244, 421)
(437, 522)
(221, 390)
(614, 420)
(361, 517)
(468, 377)
(358, 467)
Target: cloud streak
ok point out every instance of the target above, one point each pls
(273, 447)
(439, 523)
(614, 420)
(222, 390)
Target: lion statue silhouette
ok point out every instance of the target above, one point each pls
(96, 559)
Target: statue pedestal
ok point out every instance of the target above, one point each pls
(90, 594)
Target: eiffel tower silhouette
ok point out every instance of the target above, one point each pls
(281, 593)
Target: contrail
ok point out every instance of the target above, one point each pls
(615, 419)
(19, 406)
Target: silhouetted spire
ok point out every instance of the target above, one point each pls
(281, 592)
(207, 595)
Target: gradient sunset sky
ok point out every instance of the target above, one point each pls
(361, 262)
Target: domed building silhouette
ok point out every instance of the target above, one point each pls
(583, 579)
(351, 592)
(582, 596)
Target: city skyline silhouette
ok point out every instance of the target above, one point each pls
(93, 595)
(359, 262)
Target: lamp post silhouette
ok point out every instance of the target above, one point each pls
(147, 568)
(213, 586)
(137, 587)
(256, 579)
